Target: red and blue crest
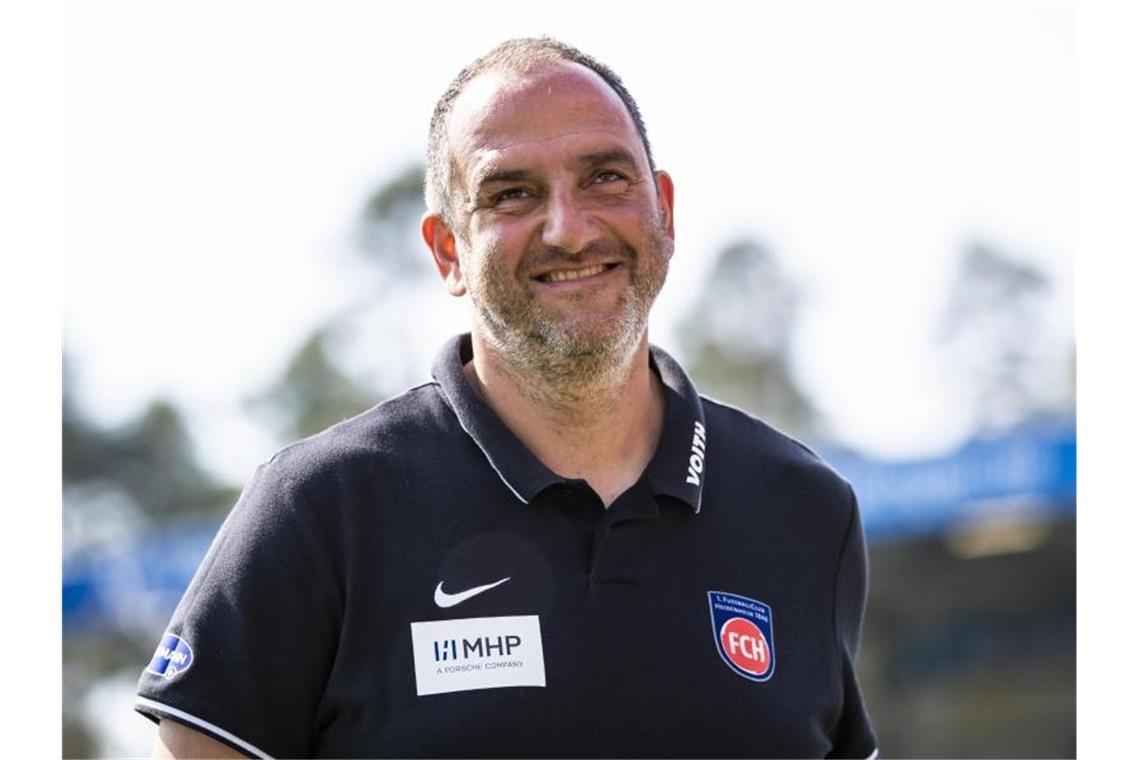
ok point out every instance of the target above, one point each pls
(742, 629)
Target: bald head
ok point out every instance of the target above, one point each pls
(511, 64)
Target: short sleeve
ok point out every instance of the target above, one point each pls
(248, 651)
(852, 735)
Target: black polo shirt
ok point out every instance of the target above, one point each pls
(414, 582)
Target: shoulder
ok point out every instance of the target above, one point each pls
(747, 448)
(394, 430)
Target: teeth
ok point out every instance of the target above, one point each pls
(573, 274)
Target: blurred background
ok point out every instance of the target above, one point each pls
(874, 224)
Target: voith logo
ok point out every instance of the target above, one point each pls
(742, 628)
(697, 458)
(172, 656)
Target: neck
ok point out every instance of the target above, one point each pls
(598, 423)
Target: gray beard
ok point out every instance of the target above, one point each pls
(567, 369)
(557, 368)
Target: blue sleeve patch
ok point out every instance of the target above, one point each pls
(172, 656)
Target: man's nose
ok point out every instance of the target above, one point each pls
(568, 225)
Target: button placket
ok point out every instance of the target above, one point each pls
(617, 535)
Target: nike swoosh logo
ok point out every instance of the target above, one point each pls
(443, 599)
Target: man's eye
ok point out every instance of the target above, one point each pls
(511, 194)
(610, 182)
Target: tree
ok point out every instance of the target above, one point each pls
(387, 230)
(119, 482)
(737, 338)
(1008, 356)
(127, 477)
(313, 393)
(345, 366)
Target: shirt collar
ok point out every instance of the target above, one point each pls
(668, 473)
(677, 468)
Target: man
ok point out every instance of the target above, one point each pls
(554, 548)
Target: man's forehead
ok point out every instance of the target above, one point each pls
(503, 108)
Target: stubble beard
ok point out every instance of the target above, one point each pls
(564, 363)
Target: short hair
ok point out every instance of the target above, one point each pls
(521, 55)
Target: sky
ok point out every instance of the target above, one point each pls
(217, 155)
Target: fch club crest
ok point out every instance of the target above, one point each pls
(742, 629)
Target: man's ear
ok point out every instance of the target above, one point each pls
(441, 240)
(665, 199)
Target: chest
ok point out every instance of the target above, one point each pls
(655, 633)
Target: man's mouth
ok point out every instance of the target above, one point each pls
(565, 275)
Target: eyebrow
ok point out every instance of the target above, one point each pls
(491, 176)
(611, 156)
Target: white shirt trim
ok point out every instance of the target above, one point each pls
(874, 754)
(208, 727)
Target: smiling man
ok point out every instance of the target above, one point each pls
(549, 214)
(556, 547)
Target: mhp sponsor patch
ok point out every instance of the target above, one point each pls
(477, 653)
(742, 629)
(172, 656)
